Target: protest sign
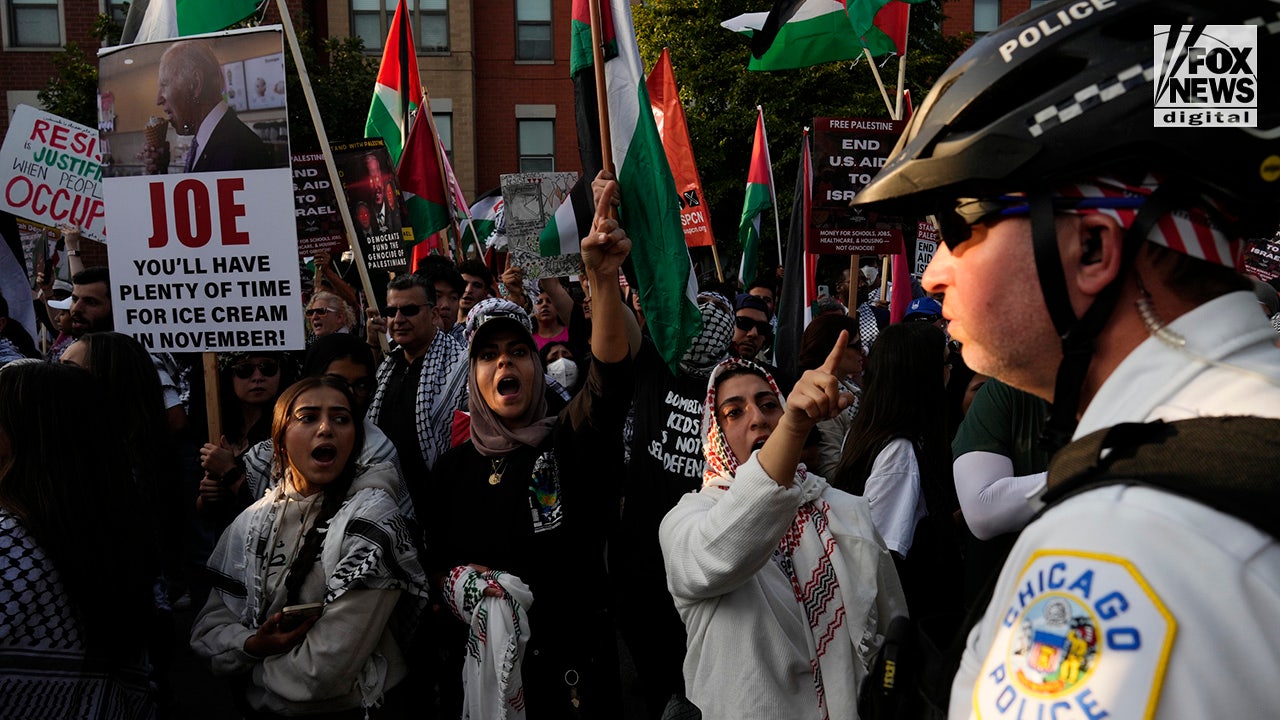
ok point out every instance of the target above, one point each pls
(373, 196)
(203, 253)
(847, 153)
(926, 246)
(529, 200)
(51, 170)
(315, 206)
(1262, 258)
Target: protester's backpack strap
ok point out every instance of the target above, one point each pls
(1230, 464)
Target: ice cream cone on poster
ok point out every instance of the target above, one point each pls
(156, 131)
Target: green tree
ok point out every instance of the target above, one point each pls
(342, 78)
(720, 96)
(72, 92)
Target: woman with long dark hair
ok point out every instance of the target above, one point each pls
(75, 585)
(329, 535)
(898, 456)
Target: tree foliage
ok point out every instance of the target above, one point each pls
(342, 77)
(720, 95)
(72, 92)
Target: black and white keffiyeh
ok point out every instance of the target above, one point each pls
(711, 345)
(442, 388)
(44, 672)
(369, 544)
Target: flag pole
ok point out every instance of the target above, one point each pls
(773, 194)
(876, 72)
(602, 96)
(425, 107)
(715, 255)
(902, 69)
(323, 137)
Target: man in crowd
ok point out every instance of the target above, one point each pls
(1089, 258)
(419, 384)
(752, 328)
(449, 286)
(478, 286)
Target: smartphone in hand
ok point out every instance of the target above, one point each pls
(294, 615)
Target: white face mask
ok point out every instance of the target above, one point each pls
(565, 372)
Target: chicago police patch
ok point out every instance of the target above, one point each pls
(1083, 636)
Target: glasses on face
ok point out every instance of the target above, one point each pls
(363, 386)
(244, 371)
(956, 225)
(312, 312)
(745, 324)
(408, 311)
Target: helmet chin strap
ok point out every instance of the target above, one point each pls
(1078, 334)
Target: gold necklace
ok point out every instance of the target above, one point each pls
(498, 466)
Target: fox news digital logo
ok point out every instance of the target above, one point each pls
(1206, 75)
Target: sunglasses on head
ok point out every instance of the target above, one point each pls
(405, 310)
(312, 312)
(244, 371)
(745, 324)
(955, 226)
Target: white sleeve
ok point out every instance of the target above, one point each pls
(993, 499)
(711, 547)
(893, 489)
(329, 660)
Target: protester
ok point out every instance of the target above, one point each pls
(76, 594)
(815, 345)
(249, 384)
(329, 313)
(897, 456)
(999, 469)
(542, 483)
(15, 343)
(447, 281)
(754, 332)
(558, 359)
(329, 533)
(348, 359)
(782, 581)
(132, 388)
(479, 285)
(420, 383)
(1094, 265)
(664, 463)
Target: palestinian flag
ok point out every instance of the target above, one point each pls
(398, 90)
(165, 19)
(422, 181)
(570, 223)
(759, 197)
(650, 209)
(801, 33)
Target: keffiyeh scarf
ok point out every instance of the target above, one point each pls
(834, 581)
(711, 344)
(44, 672)
(441, 390)
(498, 632)
(368, 544)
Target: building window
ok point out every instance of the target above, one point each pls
(537, 145)
(33, 23)
(444, 128)
(118, 10)
(371, 20)
(986, 15)
(533, 30)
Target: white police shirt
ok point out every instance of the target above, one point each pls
(1129, 602)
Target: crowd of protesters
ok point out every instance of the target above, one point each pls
(460, 497)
